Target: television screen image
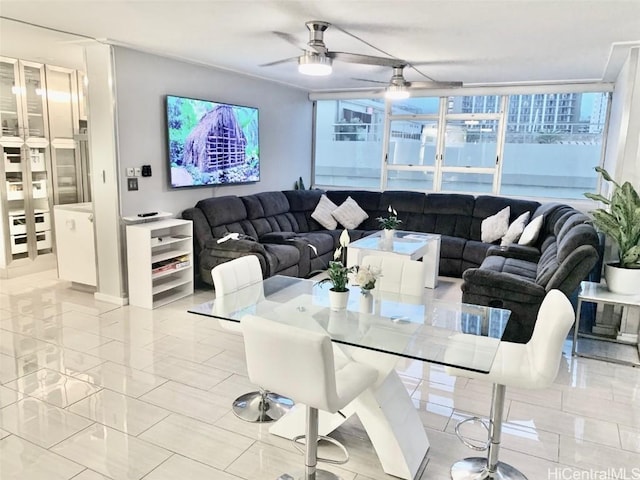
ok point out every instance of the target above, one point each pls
(212, 143)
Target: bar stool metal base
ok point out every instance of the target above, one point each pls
(319, 475)
(475, 468)
(261, 407)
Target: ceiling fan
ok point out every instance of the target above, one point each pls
(398, 87)
(317, 60)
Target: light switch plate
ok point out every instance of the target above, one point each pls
(130, 172)
(137, 172)
(132, 184)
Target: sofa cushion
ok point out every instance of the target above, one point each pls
(323, 242)
(487, 205)
(513, 266)
(301, 204)
(349, 214)
(475, 252)
(322, 213)
(409, 206)
(495, 227)
(531, 232)
(280, 257)
(581, 234)
(269, 212)
(515, 229)
(451, 247)
(223, 210)
(447, 214)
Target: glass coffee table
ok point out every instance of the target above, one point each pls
(412, 245)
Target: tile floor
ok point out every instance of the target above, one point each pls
(89, 391)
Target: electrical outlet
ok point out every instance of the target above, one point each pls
(137, 172)
(132, 184)
(130, 172)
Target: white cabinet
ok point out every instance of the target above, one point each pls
(75, 243)
(159, 262)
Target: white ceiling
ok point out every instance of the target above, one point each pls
(474, 41)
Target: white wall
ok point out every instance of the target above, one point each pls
(622, 154)
(143, 81)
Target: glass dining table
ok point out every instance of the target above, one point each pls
(378, 330)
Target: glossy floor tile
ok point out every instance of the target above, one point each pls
(94, 391)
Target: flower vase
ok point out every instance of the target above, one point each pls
(366, 301)
(338, 300)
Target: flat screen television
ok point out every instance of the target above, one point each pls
(211, 143)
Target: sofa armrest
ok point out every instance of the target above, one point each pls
(277, 237)
(241, 245)
(301, 243)
(489, 283)
(518, 252)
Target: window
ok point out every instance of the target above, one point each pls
(553, 155)
(348, 138)
(534, 145)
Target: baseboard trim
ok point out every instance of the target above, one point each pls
(111, 299)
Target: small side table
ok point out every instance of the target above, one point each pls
(597, 346)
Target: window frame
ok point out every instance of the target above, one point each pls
(502, 116)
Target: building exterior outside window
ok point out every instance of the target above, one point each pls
(533, 145)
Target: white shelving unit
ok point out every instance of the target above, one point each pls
(160, 262)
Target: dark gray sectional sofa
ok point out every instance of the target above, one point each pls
(277, 227)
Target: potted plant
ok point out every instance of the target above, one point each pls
(389, 224)
(338, 276)
(621, 222)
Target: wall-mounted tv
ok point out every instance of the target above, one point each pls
(211, 143)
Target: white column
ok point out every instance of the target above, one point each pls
(103, 148)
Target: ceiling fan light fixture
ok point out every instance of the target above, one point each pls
(315, 65)
(396, 92)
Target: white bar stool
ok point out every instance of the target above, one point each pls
(260, 406)
(301, 364)
(533, 365)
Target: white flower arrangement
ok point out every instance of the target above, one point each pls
(366, 277)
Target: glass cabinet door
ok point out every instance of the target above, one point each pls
(34, 103)
(65, 170)
(9, 94)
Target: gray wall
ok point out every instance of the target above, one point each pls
(143, 81)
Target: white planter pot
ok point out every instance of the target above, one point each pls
(338, 300)
(387, 239)
(624, 281)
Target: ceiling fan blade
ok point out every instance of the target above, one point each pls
(291, 39)
(365, 59)
(433, 84)
(369, 80)
(278, 62)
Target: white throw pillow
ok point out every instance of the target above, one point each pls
(516, 229)
(494, 227)
(322, 213)
(531, 231)
(349, 214)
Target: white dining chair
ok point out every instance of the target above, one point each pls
(533, 365)
(244, 275)
(398, 275)
(301, 364)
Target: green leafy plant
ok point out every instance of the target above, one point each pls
(391, 222)
(621, 221)
(338, 276)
